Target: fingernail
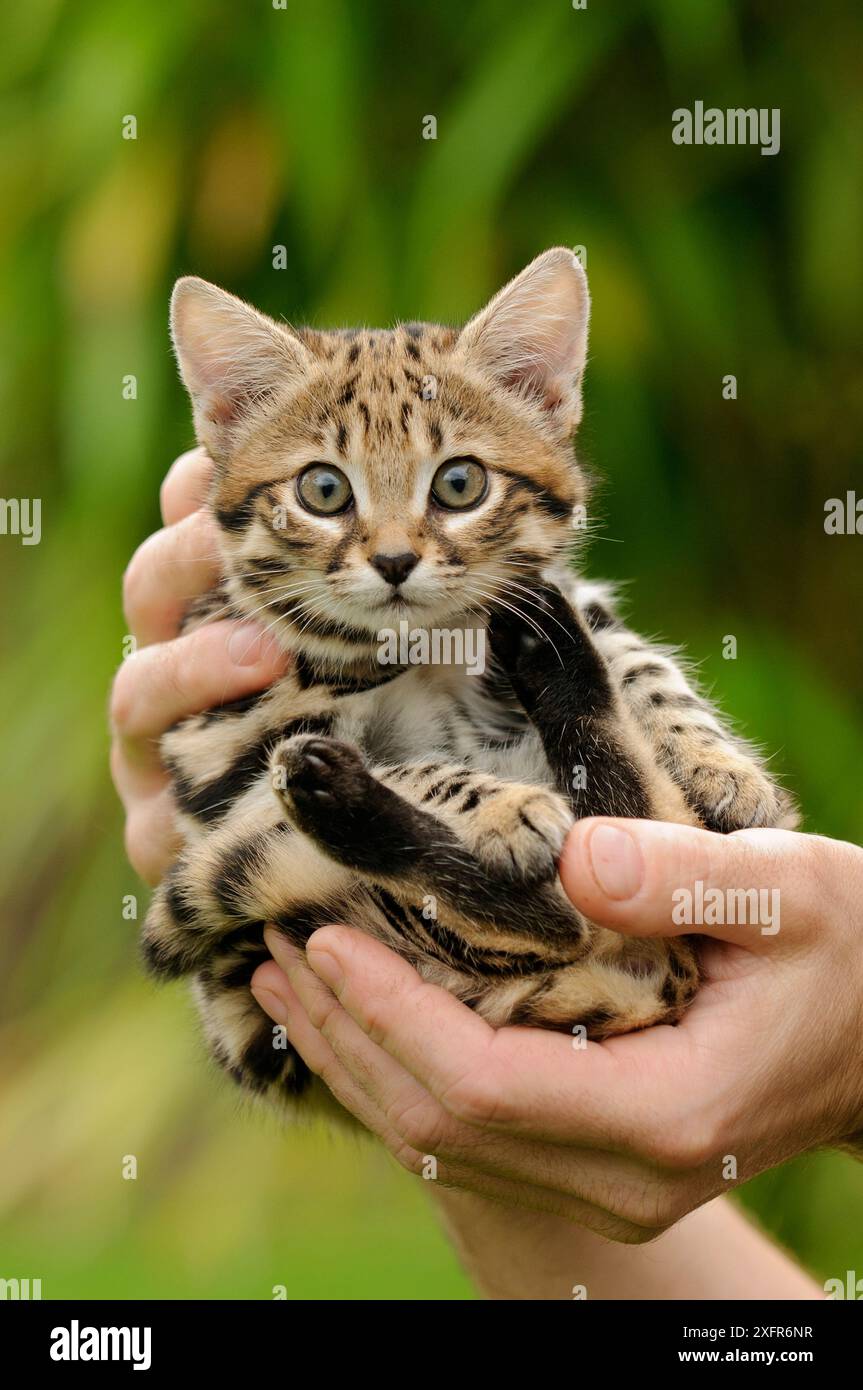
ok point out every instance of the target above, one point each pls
(326, 967)
(248, 644)
(272, 1004)
(616, 861)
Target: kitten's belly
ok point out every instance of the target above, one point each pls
(520, 761)
(444, 715)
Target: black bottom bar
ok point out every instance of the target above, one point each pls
(84, 1338)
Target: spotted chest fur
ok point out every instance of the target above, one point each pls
(425, 476)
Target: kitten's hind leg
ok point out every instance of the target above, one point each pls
(251, 1048)
(246, 1043)
(487, 848)
(623, 986)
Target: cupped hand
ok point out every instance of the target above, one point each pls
(628, 1135)
(169, 676)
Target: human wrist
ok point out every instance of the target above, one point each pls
(509, 1252)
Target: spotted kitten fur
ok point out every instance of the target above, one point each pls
(423, 474)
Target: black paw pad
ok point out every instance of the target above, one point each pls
(324, 770)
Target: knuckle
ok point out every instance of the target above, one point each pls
(827, 866)
(179, 483)
(134, 577)
(405, 1156)
(150, 838)
(136, 841)
(177, 668)
(380, 1016)
(171, 490)
(115, 760)
(683, 1147)
(654, 1207)
(166, 492)
(376, 1025)
(324, 1012)
(122, 699)
(476, 1098)
(417, 1125)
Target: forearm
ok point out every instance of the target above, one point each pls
(513, 1253)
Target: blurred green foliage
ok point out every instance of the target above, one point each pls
(301, 127)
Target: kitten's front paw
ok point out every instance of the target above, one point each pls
(539, 646)
(734, 796)
(532, 623)
(313, 777)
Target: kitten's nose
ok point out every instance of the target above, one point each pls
(395, 568)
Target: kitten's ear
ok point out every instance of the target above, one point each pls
(232, 359)
(533, 336)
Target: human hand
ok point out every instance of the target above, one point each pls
(626, 1136)
(170, 677)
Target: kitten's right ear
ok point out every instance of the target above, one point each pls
(232, 359)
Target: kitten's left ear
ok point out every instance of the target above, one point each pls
(532, 337)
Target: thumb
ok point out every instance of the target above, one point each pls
(652, 878)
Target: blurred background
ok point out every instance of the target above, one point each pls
(302, 127)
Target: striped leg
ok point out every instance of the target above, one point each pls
(721, 775)
(475, 842)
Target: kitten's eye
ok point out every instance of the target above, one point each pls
(324, 489)
(460, 483)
